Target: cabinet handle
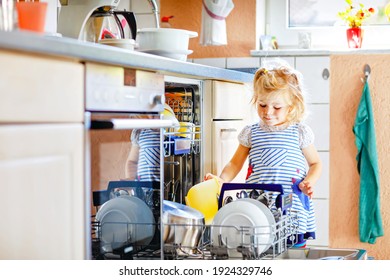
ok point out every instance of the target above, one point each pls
(325, 74)
(228, 130)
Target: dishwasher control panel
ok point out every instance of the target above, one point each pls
(119, 89)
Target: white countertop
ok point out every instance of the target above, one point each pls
(317, 52)
(29, 42)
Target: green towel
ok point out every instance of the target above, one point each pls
(370, 220)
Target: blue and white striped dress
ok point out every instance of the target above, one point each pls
(149, 153)
(276, 157)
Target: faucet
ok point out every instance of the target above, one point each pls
(155, 12)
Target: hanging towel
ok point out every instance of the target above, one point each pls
(214, 13)
(370, 220)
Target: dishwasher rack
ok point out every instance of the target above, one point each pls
(283, 231)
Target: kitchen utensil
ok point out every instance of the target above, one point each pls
(243, 223)
(125, 220)
(242, 194)
(183, 225)
(105, 23)
(278, 197)
(8, 19)
(32, 16)
(204, 197)
(164, 39)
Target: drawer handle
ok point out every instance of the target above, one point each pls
(325, 74)
(228, 130)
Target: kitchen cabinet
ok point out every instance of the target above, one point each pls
(316, 74)
(42, 194)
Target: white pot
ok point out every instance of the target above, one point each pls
(166, 39)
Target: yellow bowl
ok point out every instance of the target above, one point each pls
(204, 198)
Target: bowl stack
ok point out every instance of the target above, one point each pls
(168, 42)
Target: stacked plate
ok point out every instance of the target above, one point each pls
(125, 220)
(243, 223)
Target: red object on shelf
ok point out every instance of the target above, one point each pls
(355, 37)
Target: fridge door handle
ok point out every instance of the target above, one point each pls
(126, 124)
(228, 129)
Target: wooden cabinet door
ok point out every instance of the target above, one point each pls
(42, 193)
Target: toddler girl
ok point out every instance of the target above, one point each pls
(280, 147)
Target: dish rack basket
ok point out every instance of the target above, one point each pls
(283, 231)
(182, 102)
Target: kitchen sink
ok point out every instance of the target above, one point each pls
(323, 254)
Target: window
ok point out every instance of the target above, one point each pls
(321, 13)
(285, 19)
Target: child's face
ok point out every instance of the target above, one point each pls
(273, 111)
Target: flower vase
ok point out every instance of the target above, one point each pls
(355, 37)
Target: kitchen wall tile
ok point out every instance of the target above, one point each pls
(215, 62)
(242, 62)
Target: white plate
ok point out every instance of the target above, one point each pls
(125, 219)
(236, 222)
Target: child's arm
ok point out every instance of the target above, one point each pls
(233, 167)
(314, 172)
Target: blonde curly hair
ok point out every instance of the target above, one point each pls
(279, 82)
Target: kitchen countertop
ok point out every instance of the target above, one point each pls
(316, 52)
(84, 51)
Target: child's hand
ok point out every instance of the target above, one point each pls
(209, 176)
(306, 188)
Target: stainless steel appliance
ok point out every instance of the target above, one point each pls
(92, 20)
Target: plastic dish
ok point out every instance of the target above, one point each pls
(204, 198)
(243, 222)
(125, 219)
